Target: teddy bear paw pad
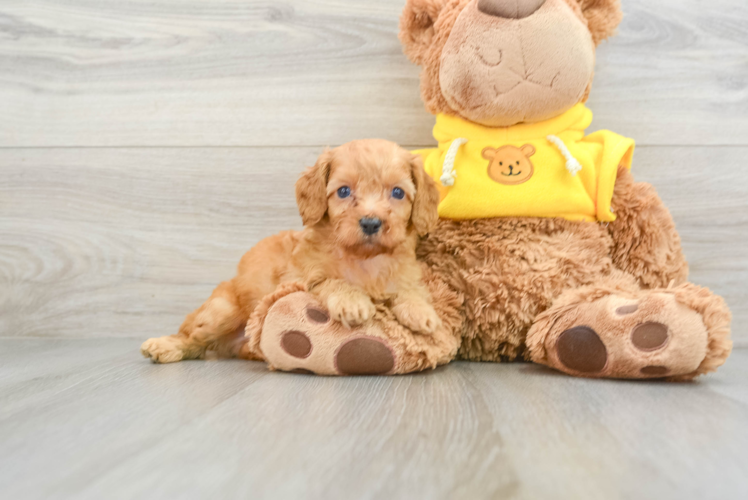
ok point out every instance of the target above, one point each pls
(649, 336)
(364, 356)
(581, 349)
(296, 344)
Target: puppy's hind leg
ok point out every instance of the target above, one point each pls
(217, 325)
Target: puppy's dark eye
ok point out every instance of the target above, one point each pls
(398, 193)
(344, 192)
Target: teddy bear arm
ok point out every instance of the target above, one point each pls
(645, 241)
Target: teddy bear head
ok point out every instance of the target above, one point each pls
(503, 62)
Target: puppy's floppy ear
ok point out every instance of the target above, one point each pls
(603, 17)
(417, 27)
(311, 190)
(425, 212)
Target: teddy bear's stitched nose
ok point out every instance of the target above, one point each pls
(510, 9)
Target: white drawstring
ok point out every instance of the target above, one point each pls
(572, 164)
(448, 169)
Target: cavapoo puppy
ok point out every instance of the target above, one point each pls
(363, 205)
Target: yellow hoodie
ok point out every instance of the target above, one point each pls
(546, 169)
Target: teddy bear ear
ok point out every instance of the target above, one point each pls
(417, 27)
(603, 17)
(489, 153)
(528, 150)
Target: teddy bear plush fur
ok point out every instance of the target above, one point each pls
(591, 299)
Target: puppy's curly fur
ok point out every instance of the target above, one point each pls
(346, 268)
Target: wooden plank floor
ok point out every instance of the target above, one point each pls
(90, 419)
(146, 144)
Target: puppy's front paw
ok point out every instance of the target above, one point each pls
(350, 309)
(418, 316)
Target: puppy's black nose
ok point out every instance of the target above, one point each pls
(370, 225)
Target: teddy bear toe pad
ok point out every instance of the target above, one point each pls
(653, 337)
(298, 336)
(364, 356)
(581, 349)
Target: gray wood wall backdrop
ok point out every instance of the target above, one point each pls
(146, 144)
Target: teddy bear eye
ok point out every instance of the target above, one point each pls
(398, 193)
(344, 192)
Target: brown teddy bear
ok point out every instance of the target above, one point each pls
(547, 249)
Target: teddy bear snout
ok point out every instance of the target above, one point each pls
(510, 9)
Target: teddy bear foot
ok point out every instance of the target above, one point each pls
(675, 334)
(294, 332)
(299, 336)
